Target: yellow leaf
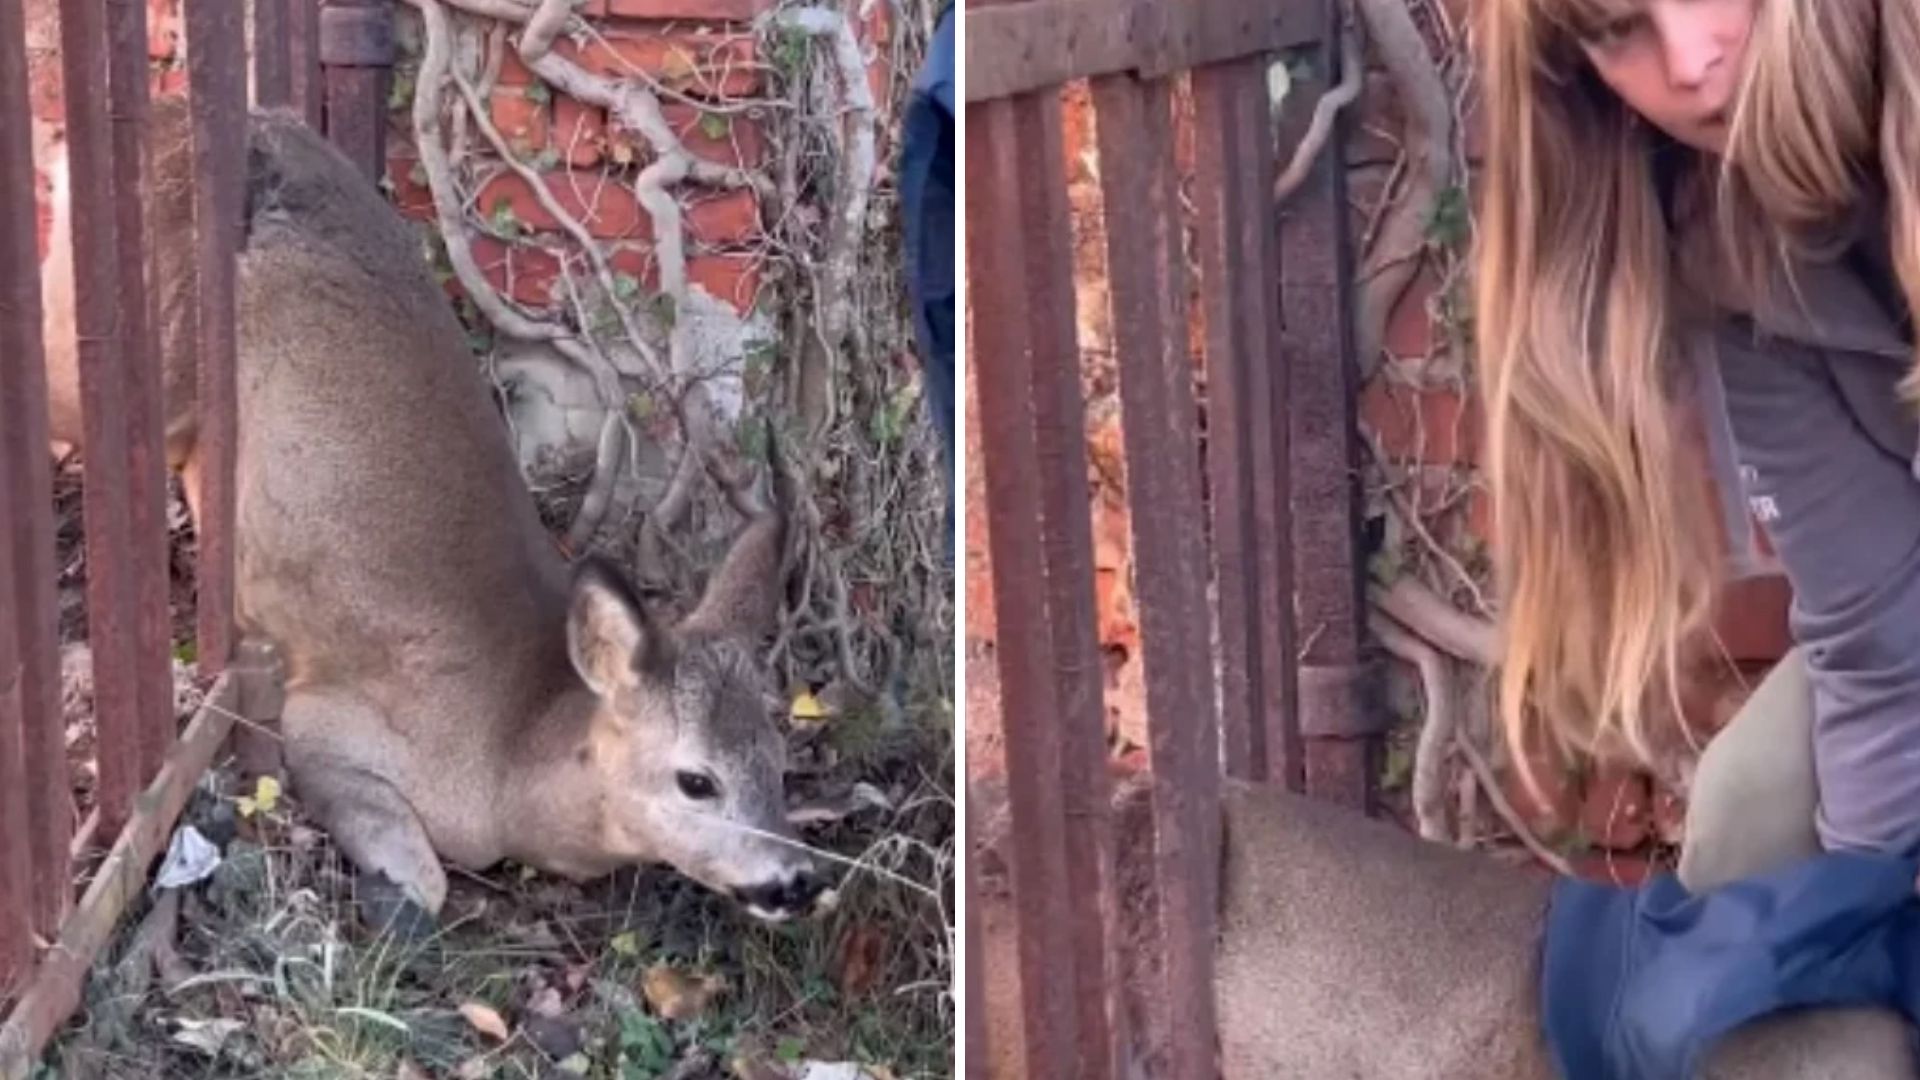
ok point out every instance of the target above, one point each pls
(485, 1020)
(807, 708)
(245, 805)
(266, 794)
(625, 944)
(676, 995)
(679, 64)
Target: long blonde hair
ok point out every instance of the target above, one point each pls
(1604, 545)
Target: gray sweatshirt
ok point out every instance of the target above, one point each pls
(1807, 425)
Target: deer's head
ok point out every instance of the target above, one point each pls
(682, 745)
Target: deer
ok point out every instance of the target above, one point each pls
(1350, 949)
(455, 693)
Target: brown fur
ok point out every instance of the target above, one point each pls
(1352, 950)
(452, 690)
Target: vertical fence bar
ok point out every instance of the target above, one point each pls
(356, 51)
(23, 430)
(217, 73)
(303, 47)
(145, 424)
(104, 390)
(1034, 456)
(1147, 260)
(976, 976)
(1256, 283)
(272, 53)
(1336, 714)
(20, 352)
(1233, 435)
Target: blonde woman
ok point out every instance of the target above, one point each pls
(1701, 227)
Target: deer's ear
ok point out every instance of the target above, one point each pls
(743, 596)
(609, 638)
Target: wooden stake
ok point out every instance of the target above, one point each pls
(55, 990)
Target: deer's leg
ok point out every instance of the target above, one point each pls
(402, 882)
(1754, 794)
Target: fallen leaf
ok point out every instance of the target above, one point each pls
(860, 954)
(625, 944)
(676, 995)
(678, 64)
(486, 1020)
(206, 1036)
(266, 796)
(833, 1070)
(807, 709)
(546, 1002)
(746, 1067)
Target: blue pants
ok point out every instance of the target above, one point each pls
(1638, 983)
(927, 204)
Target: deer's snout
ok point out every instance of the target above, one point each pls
(795, 896)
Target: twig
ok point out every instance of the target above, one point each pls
(1490, 784)
(1439, 727)
(1429, 142)
(1325, 111)
(1417, 607)
(436, 63)
(603, 273)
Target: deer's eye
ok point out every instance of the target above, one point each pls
(697, 785)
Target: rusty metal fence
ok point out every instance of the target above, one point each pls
(1244, 499)
(146, 763)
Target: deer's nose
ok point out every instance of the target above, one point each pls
(793, 896)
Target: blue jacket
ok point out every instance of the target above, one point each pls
(1638, 983)
(927, 197)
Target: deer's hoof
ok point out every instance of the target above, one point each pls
(386, 908)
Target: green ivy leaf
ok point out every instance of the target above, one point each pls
(714, 126)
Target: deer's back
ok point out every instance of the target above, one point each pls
(1352, 949)
(386, 533)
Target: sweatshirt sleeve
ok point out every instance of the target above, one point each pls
(1842, 508)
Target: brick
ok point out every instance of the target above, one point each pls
(715, 10)
(1551, 810)
(523, 272)
(163, 29)
(43, 210)
(708, 65)
(522, 120)
(876, 38)
(726, 217)
(732, 140)
(513, 70)
(411, 196)
(1669, 818)
(1613, 868)
(45, 91)
(1410, 331)
(1430, 426)
(637, 262)
(732, 277)
(604, 206)
(1380, 116)
(1617, 809)
(1480, 516)
(169, 81)
(1750, 618)
(579, 131)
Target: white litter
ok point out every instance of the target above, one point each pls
(191, 857)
